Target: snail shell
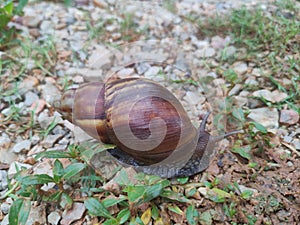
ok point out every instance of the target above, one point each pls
(145, 121)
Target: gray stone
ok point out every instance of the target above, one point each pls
(142, 67)
(289, 117)
(100, 58)
(205, 53)
(30, 98)
(4, 141)
(287, 139)
(152, 72)
(22, 146)
(193, 98)
(16, 166)
(54, 218)
(5, 208)
(236, 89)
(296, 144)
(3, 180)
(229, 51)
(37, 215)
(58, 130)
(240, 68)
(126, 72)
(268, 117)
(35, 139)
(50, 140)
(240, 101)
(5, 220)
(50, 93)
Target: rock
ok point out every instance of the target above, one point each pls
(218, 42)
(100, 3)
(50, 140)
(4, 141)
(38, 106)
(7, 155)
(37, 215)
(193, 98)
(86, 73)
(100, 58)
(296, 144)
(47, 27)
(32, 21)
(240, 101)
(3, 180)
(35, 139)
(268, 117)
(240, 68)
(53, 218)
(256, 72)
(203, 191)
(126, 72)
(288, 117)
(142, 67)
(21, 146)
(58, 130)
(5, 208)
(152, 73)
(244, 188)
(274, 96)
(5, 220)
(73, 214)
(205, 53)
(50, 93)
(45, 120)
(287, 139)
(30, 98)
(235, 90)
(229, 51)
(251, 81)
(16, 166)
(28, 84)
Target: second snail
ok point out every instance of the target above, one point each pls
(150, 128)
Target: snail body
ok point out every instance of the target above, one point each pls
(146, 122)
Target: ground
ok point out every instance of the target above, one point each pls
(238, 59)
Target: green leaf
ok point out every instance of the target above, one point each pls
(55, 196)
(174, 196)
(238, 113)
(19, 212)
(53, 155)
(95, 208)
(122, 178)
(111, 222)
(9, 8)
(192, 215)
(58, 170)
(246, 194)
(243, 151)
(66, 201)
(135, 193)
(154, 212)
(20, 6)
(73, 169)
(123, 215)
(108, 202)
(259, 127)
(175, 209)
(36, 179)
(183, 180)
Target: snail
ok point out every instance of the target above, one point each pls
(146, 122)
